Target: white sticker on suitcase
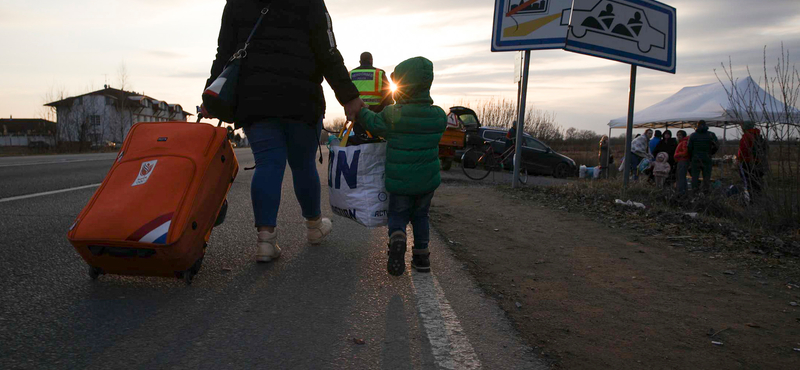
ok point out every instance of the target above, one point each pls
(144, 172)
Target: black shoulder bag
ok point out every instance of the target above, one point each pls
(219, 98)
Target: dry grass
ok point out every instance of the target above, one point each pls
(764, 213)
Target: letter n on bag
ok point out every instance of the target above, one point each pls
(350, 172)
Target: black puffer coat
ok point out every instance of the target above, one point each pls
(668, 146)
(702, 144)
(286, 60)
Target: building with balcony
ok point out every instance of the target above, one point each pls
(107, 115)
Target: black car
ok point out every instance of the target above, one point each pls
(537, 157)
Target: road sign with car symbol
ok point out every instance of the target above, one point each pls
(640, 32)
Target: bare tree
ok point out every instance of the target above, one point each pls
(542, 125)
(73, 122)
(771, 108)
(570, 133)
(503, 113)
(493, 112)
(336, 124)
(123, 120)
(49, 113)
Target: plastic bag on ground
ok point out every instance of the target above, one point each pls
(630, 203)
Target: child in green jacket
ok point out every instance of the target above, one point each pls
(412, 129)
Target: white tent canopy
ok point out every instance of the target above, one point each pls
(710, 102)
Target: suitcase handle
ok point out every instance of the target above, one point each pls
(200, 116)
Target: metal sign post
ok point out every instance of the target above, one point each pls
(629, 133)
(526, 63)
(638, 32)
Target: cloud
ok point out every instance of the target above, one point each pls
(168, 46)
(165, 54)
(193, 75)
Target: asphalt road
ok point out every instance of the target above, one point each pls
(300, 312)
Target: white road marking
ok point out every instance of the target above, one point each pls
(62, 161)
(20, 197)
(449, 343)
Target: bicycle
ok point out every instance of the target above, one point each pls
(479, 161)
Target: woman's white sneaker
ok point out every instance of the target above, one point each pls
(267, 246)
(318, 230)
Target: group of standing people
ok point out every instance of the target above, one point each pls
(280, 106)
(671, 159)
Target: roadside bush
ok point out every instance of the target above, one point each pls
(717, 214)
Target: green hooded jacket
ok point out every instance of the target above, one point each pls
(412, 129)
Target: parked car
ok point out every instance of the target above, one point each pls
(537, 157)
(105, 144)
(460, 121)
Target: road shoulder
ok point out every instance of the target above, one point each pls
(588, 295)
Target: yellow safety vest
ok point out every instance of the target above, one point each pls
(369, 83)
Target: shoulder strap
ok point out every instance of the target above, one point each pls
(241, 53)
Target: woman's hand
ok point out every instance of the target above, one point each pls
(352, 108)
(204, 112)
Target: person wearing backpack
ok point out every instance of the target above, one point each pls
(702, 146)
(752, 158)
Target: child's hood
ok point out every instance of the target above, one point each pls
(414, 78)
(662, 157)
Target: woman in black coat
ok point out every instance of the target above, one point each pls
(280, 102)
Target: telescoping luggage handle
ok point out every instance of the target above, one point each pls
(230, 131)
(200, 116)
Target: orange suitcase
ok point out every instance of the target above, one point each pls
(154, 211)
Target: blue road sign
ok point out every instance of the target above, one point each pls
(530, 24)
(639, 32)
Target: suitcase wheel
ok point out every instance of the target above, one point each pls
(222, 212)
(188, 275)
(95, 272)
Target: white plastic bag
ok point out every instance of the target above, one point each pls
(356, 183)
(630, 203)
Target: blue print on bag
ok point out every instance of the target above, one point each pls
(350, 172)
(330, 169)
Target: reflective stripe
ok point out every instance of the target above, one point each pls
(331, 39)
(366, 79)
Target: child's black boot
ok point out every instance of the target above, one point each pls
(397, 252)
(420, 260)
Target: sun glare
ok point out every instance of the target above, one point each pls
(392, 86)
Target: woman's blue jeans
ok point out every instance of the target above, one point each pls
(274, 142)
(635, 160)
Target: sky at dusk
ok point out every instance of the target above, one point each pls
(167, 47)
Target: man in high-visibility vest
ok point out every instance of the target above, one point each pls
(372, 83)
